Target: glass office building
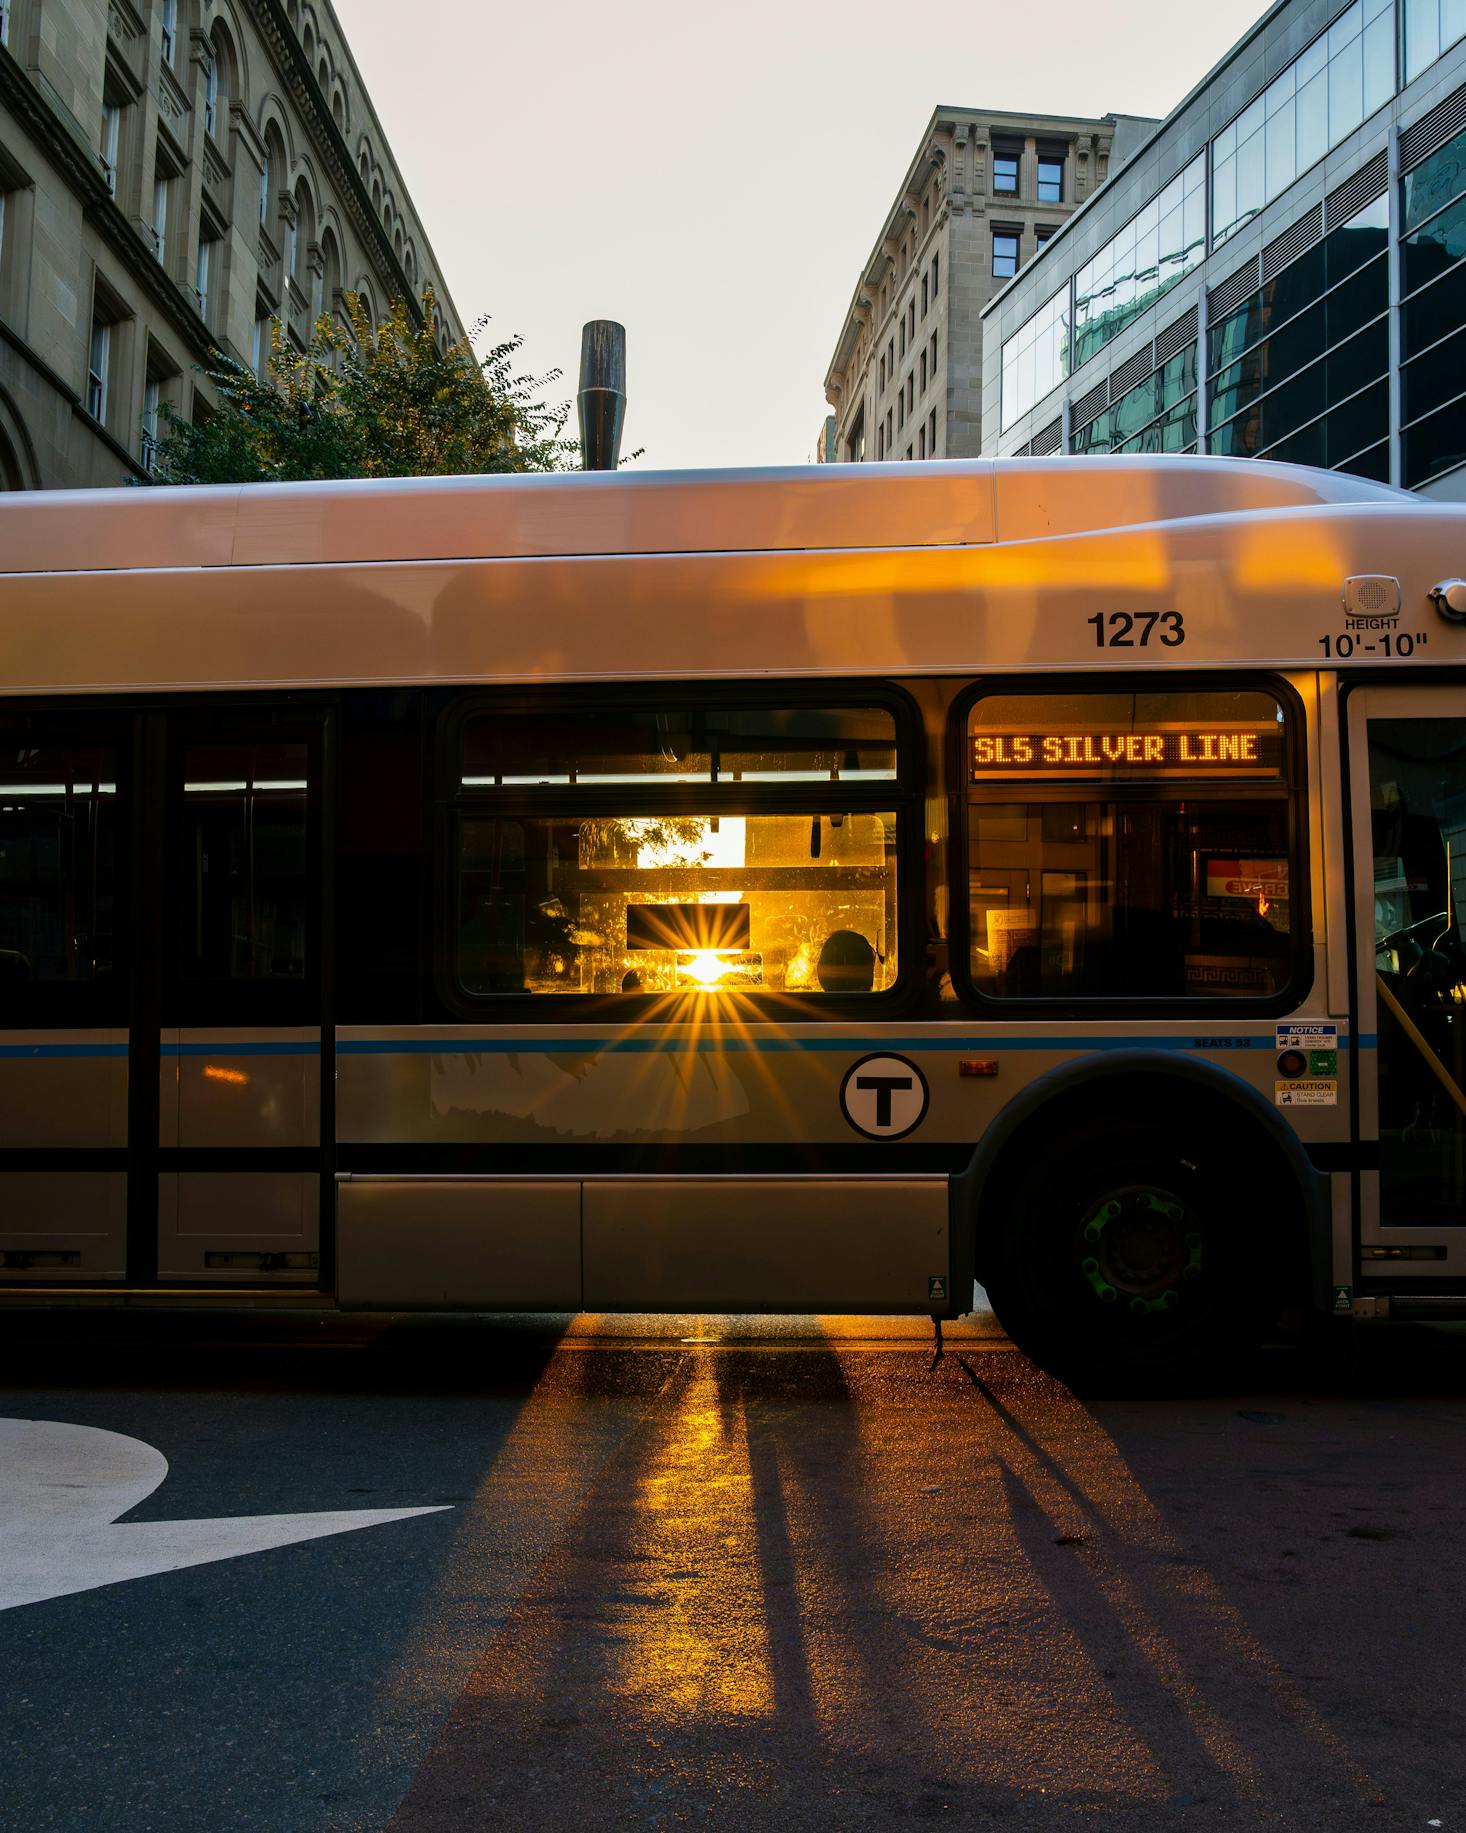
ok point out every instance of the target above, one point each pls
(1280, 272)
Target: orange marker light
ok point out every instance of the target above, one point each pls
(216, 1072)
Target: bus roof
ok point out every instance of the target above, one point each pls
(824, 508)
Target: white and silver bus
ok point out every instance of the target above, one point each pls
(773, 891)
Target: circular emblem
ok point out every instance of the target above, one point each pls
(884, 1097)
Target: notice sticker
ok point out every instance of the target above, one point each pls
(1296, 1036)
(1307, 1091)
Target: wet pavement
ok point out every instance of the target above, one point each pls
(729, 1573)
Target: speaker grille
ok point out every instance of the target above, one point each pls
(1370, 594)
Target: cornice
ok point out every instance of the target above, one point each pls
(83, 172)
(274, 27)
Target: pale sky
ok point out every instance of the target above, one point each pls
(714, 177)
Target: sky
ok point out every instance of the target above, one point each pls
(715, 177)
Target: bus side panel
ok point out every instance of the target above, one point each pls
(458, 1244)
(871, 1244)
(63, 1125)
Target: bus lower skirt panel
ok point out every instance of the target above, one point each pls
(754, 1244)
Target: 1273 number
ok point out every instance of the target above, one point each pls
(1134, 629)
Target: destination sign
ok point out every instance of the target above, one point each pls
(1190, 751)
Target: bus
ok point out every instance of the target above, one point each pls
(770, 892)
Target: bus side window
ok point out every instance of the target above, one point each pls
(674, 849)
(58, 859)
(1129, 846)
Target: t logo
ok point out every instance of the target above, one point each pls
(883, 1086)
(884, 1097)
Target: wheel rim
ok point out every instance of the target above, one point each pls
(1141, 1250)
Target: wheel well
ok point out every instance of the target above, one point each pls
(1178, 1110)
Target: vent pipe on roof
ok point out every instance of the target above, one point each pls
(602, 397)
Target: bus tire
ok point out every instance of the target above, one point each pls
(1122, 1254)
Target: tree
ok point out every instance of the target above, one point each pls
(369, 401)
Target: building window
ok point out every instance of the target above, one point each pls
(1005, 254)
(160, 215)
(1005, 173)
(902, 329)
(111, 143)
(1043, 234)
(170, 29)
(921, 443)
(925, 285)
(4, 22)
(880, 442)
(936, 273)
(901, 410)
(891, 357)
(911, 317)
(202, 263)
(883, 372)
(99, 356)
(265, 190)
(923, 372)
(152, 401)
(910, 454)
(1158, 247)
(1157, 415)
(931, 433)
(911, 391)
(1431, 27)
(890, 431)
(1322, 96)
(261, 346)
(211, 98)
(855, 446)
(934, 356)
(1433, 320)
(1050, 179)
(1035, 358)
(1298, 369)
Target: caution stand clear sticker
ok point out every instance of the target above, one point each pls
(1308, 1091)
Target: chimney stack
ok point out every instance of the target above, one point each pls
(602, 397)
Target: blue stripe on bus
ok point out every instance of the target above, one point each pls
(62, 1050)
(581, 1046)
(509, 1046)
(250, 1049)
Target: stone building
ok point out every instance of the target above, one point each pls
(173, 175)
(984, 193)
(1280, 271)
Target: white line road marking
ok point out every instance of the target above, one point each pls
(62, 1488)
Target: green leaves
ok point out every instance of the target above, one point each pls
(369, 401)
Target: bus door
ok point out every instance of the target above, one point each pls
(1407, 759)
(241, 1117)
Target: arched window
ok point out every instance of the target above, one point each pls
(338, 112)
(221, 84)
(302, 234)
(409, 265)
(272, 180)
(330, 271)
(377, 195)
(308, 41)
(323, 75)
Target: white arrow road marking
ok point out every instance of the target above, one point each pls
(62, 1488)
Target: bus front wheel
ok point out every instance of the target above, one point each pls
(1121, 1254)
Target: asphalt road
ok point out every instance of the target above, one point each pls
(718, 1573)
